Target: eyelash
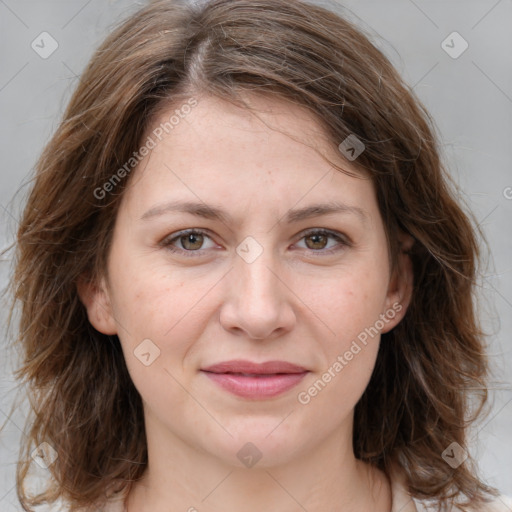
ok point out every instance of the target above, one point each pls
(167, 243)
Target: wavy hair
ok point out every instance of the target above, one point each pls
(431, 369)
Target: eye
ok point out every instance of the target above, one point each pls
(190, 240)
(318, 239)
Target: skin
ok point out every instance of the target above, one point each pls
(294, 302)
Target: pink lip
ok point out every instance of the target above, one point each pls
(255, 380)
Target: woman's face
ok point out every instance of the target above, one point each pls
(271, 273)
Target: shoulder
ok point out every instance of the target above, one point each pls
(403, 502)
(113, 502)
(116, 501)
(499, 504)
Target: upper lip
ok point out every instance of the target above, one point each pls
(249, 367)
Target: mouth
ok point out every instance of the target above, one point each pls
(256, 381)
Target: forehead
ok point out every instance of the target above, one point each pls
(269, 122)
(223, 152)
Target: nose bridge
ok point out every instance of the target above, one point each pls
(256, 278)
(258, 303)
(257, 284)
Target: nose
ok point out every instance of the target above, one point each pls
(258, 303)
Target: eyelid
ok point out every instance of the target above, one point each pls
(342, 239)
(173, 237)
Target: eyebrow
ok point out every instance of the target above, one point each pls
(215, 213)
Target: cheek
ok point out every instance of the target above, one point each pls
(347, 301)
(351, 306)
(155, 336)
(163, 306)
(352, 310)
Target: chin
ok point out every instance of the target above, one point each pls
(259, 442)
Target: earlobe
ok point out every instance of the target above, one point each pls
(96, 300)
(400, 286)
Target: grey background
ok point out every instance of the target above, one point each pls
(470, 98)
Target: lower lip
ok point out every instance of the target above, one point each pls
(261, 387)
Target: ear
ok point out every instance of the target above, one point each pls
(96, 299)
(400, 286)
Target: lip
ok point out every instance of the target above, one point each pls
(255, 380)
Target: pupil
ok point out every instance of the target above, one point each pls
(191, 239)
(317, 239)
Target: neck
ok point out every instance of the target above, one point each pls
(326, 477)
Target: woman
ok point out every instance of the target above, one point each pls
(244, 280)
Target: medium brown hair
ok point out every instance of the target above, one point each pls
(83, 401)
